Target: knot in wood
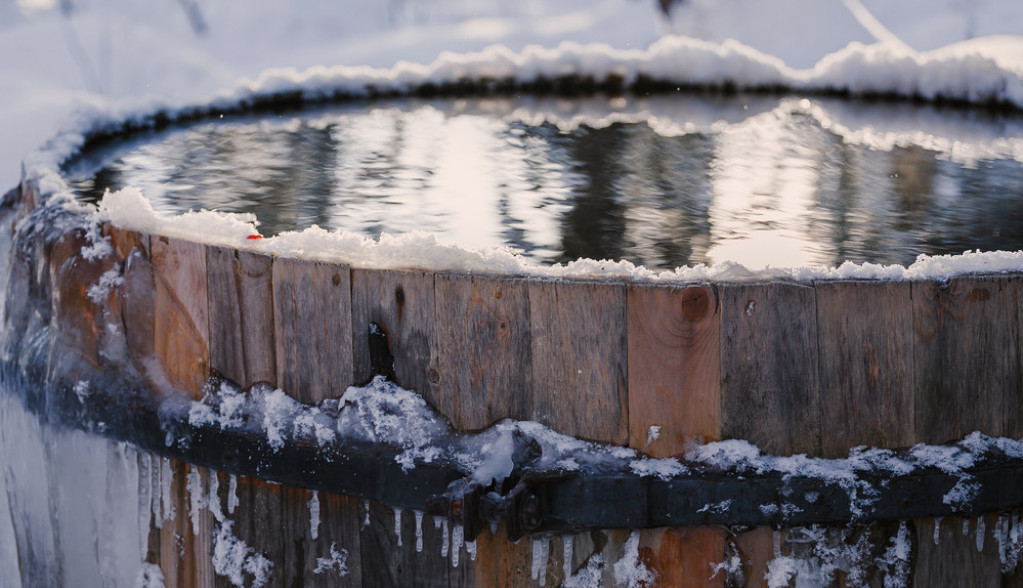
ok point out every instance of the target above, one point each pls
(433, 375)
(695, 303)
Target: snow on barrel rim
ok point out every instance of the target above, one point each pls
(967, 76)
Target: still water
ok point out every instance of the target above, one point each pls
(664, 181)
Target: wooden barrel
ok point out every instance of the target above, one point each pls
(814, 367)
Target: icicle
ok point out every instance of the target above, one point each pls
(166, 481)
(470, 547)
(937, 530)
(397, 524)
(493, 528)
(365, 510)
(966, 526)
(196, 499)
(436, 522)
(444, 537)
(980, 533)
(213, 499)
(145, 502)
(568, 542)
(419, 530)
(1001, 534)
(457, 539)
(232, 494)
(777, 543)
(154, 485)
(541, 553)
(314, 515)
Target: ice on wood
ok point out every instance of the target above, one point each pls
(314, 516)
(235, 560)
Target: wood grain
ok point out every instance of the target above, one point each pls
(385, 563)
(684, 556)
(579, 359)
(770, 388)
(181, 314)
(312, 329)
(482, 355)
(955, 560)
(241, 315)
(402, 304)
(967, 357)
(868, 380)
(337, 530)
(674, 352)
(184, 554)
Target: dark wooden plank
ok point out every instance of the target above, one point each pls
(482, 352)
(579, 359)
(312, 329)
(241, 315)
(267, 523)
(866, 346)
(955, 559)
(401, 303)
(968, 357)
(259, 523)
(181, 314)
(1014, 396)
(769, 382)
(674, 366)
(336, 530)
(386, 563)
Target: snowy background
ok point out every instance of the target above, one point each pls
(56, 55)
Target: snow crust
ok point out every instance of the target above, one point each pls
(128, 208)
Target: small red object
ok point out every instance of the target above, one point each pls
(256, 236)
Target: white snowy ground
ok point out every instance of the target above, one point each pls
(121, 52)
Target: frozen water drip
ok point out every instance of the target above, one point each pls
(541, 553)
(419, 530)
(314, 515)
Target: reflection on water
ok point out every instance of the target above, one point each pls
(662, 182)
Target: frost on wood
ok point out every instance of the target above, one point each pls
(235, 560)
(336, 562)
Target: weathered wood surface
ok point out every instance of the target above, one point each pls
(674, 371)
(579, 359)
(674, 354)
(312, 318)
(241, 310)
(867, 372)
(185, 551)
(482, 355)
(771, 394)
(388, 563)
(955, 559)
(401, 303)
(968, 357)
(181, 313)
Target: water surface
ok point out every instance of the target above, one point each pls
(665, 181)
